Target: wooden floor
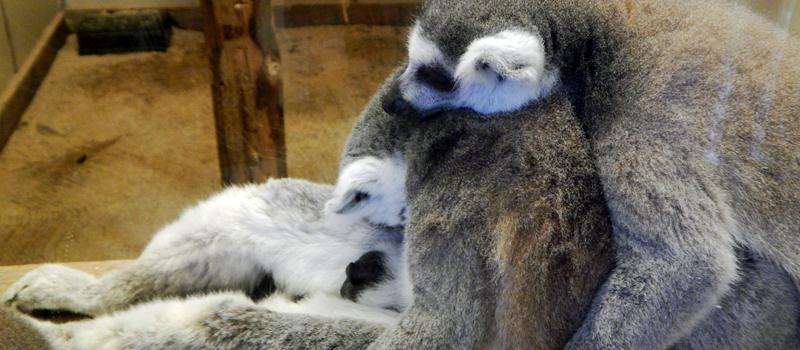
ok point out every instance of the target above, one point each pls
(114, 147)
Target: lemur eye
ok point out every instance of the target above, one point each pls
(436, 77)
(360, 196)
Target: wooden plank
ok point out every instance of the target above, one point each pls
(400, 14)
(293, 16)
(22, 88)
(384, 14)
(301, 15)
(247, 92)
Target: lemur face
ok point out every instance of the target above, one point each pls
(499, 71)
(373, 189)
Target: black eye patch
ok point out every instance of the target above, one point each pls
(436, 77)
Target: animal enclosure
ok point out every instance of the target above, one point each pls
(112, 147)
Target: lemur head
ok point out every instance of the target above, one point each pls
(370, 188)
(484, 55)
(371, 182)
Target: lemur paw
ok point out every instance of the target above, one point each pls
(369, 270)
(371, 188)
(49, 287)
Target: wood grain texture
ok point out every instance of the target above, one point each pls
(247, 91)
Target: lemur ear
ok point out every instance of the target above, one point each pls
(514, 55)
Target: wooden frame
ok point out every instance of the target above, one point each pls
(244, 57)
(398, 14)
(247, 90)
(23, 85)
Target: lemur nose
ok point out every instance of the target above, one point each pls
(396, 106)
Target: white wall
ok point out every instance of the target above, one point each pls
(26, 21)
(21, 25)
(7, 68)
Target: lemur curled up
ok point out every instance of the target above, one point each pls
(692, 110)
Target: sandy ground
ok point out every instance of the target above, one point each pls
(114, 147)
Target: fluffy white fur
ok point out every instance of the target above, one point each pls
(498, 73)
(421, 51)
(329, 306)
(230, 242)
(160, 321)
(370, 188)
(502, 72)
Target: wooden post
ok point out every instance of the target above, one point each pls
(247, 89)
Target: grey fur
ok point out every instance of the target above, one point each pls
(508, 235)
(233, 324)
(692, 109)
(217, 245)
(760, 311)
(269, 241)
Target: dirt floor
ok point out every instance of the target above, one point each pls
(114, 147)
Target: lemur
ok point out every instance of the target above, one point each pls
(692, 111)
(462, 174)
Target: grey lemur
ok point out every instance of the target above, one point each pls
(465, 170)
(692, 110)
(508, 237)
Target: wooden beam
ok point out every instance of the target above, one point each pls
(247, 91)
(317, 14)
(23, 85)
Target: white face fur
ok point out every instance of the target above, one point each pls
(371, 188)
(498, 73)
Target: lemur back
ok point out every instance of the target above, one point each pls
(506, 217)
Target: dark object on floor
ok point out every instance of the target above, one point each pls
(17, 334)
(124, 31)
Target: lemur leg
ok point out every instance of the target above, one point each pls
(760, 311)
(674, 237)
(52, 287)
(454, 292)
(219, 322)
(57, 287)
(193, 254)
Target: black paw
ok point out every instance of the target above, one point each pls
(367, 271)
(265, 287)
